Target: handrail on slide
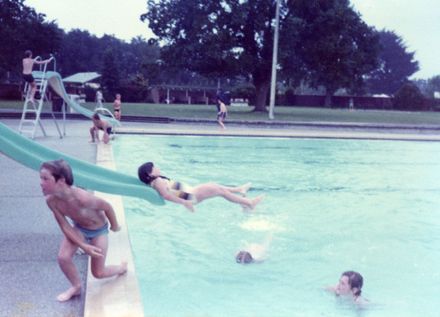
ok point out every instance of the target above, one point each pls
(90, 176)
(56, 83)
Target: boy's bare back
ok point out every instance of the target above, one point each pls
(28, 64)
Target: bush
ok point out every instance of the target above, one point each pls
(245, 91)
(10, 91)
(290, 97)
(409, 97)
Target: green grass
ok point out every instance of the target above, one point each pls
(285, 114)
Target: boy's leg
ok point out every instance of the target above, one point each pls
(33, 90)
(209, 190)
(93, 134)
(106, 138)
(65, 261)
(98, 267)
(243, 189)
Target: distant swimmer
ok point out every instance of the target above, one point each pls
(188, 196)
(349, 286)
(254, 252)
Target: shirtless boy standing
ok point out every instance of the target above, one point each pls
(28, 65)
(91, 217)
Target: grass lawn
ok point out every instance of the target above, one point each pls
(287, 114)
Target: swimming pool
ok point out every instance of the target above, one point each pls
(331, 206)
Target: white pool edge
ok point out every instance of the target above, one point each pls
(120, 296)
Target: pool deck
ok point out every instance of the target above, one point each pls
(30, 237)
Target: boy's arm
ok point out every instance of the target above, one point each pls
(109, 213)
(70, 233)
(43, 62)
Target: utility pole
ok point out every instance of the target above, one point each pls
(274, 61)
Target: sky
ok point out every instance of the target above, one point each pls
(416, 22)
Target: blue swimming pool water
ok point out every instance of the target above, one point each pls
(331, 205)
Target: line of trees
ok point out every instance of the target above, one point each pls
(323, 43)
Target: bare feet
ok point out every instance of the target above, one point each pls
(254, 202)
(257, 200)
(123, 269)
(71, 292)
(243, 189)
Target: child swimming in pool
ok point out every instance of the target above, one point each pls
(91, 217)
(350, 286)
(189, 196)
(254, 252)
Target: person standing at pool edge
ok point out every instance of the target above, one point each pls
(189, 196)
(100, 124)
(117, 107)
(91, 217)
(99, 99)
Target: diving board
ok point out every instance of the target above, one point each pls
(87, 175)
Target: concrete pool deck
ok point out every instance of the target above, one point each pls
(30, 237)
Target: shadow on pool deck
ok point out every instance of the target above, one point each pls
(30, 236)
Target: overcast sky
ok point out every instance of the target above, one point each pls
(417, 22)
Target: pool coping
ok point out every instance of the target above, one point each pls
(314, 133)
(119, 296)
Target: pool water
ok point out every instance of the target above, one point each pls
(330, 206)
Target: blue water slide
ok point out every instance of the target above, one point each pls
(56, 83)
(90, 176)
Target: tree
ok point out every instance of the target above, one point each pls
(22, 28)
(110, 75)
(396, 65)
(335, 45)
(429, 86)
(218, 39)
(409, 97)
(80, 52)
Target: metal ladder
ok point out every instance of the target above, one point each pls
(31, 116)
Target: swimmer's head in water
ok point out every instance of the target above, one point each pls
(144, 172)
(244, 257)
(350, 282)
